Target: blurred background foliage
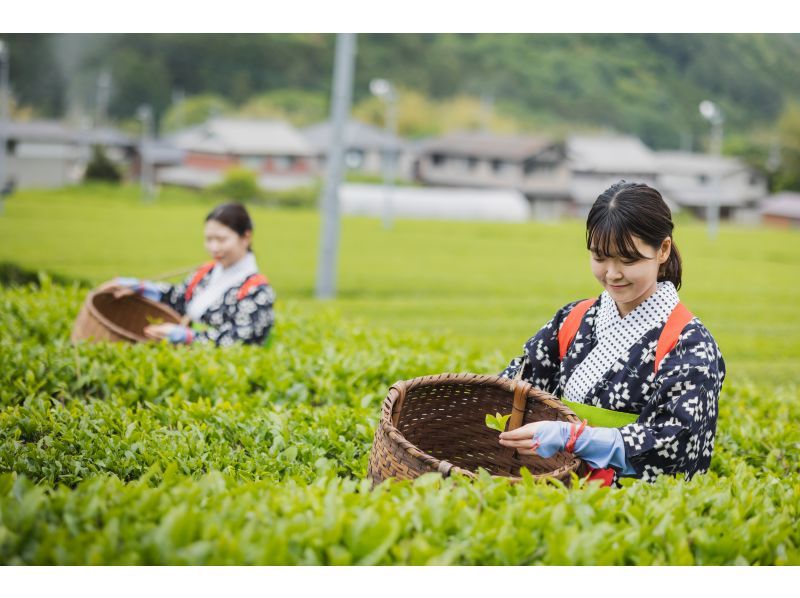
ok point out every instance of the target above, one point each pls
(643, 84)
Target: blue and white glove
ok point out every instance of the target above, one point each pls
(599, 447)
(145, 288)
(180, 335)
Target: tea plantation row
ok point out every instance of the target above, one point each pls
(151, 454)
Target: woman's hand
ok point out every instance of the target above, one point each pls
(159, 332)
(543, 438)
(174, 333)
(113, 286)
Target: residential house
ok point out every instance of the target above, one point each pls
(534, 166)
(49, 154)
(781, 209)
(369, 149)
(278, 154)
(597, 162)
(694, 181)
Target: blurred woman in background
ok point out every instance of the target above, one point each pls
(227, 299)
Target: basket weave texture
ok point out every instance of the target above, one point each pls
(437, 423)
(104, 317)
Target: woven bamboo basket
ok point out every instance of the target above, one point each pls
(104, 317)
(437, 423)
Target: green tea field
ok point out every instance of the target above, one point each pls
(151, 454)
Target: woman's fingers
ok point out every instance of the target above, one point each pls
(518, 444)
(154, 332)
(525, 432)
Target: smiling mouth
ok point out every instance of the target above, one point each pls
(617, 286)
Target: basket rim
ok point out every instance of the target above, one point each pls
(399, 389)
(118, 330)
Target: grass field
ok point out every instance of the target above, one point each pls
(486, 286)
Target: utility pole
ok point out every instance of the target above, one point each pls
(341, 100)
(102, 98)
(383, 89)
(713, 115)
(5, 67)
(145, 114)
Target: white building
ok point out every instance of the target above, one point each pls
(534, 166)
(431, 203)
(693, 181)
(48, 154)
(597, 162)
(368, 148)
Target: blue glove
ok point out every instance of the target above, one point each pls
(599, 447)
(180, 335)
(142, 287)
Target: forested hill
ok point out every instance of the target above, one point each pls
(646, 84)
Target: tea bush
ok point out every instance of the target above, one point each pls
(152, 454)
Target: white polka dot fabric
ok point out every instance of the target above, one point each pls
(616, 335)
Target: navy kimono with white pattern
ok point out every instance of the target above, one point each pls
(677, 407)
(228, 319)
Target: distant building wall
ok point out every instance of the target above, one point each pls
(210, 161)
(780, 221)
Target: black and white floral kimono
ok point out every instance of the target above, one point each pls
(219, 314)
(610, 364)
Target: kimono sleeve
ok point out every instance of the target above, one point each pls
(250, 322)
(175, 295)
(675, 432)
(540, 359)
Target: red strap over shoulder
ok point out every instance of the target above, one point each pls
(676, 322)
(198, 276)
(256, 280)
(570, 326)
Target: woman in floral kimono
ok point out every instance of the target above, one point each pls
(227, 299)
(634, 349)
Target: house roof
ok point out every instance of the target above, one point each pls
(690, 163)
(785, 204)
(610, 154)
(357, 135)
(487, 145)
(53, 131)
(243, 137)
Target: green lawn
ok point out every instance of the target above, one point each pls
(486, 285)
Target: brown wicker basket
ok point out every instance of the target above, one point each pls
(106, 318)
(437, 423)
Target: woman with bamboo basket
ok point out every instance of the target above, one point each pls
(642, 371)
(228, 300)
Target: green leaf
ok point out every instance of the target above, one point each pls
(497, 421)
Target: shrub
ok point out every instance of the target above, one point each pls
(239, 184)
(100, 168)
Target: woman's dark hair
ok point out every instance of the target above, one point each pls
(625, 210)
(234, 216)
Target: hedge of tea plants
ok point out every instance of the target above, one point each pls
(152, 454)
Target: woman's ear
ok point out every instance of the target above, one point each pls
(664, 250)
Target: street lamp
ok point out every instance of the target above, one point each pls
(5, 67)
(714, 116)
(145, 114)
(383, 89)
